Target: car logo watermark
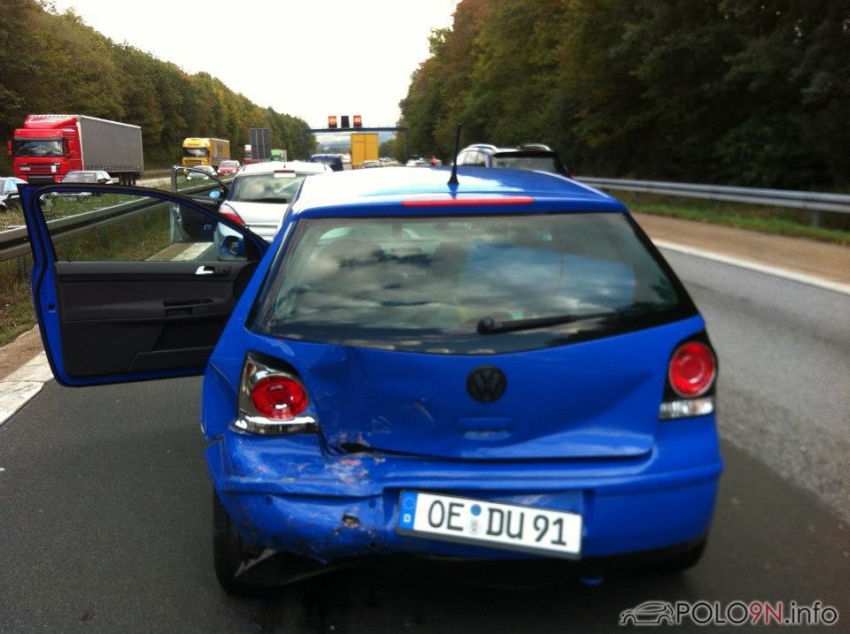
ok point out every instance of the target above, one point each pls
(735, 613)
(486, 383)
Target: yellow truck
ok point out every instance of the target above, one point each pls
(205, 151)
(364, 147)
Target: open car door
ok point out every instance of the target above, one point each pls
(132, 283)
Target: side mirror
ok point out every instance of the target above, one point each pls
(233, 246)
(215, 194)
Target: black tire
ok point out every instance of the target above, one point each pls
(681, 561)
(229, 552)
(267, 576)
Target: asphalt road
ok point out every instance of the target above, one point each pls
(105, 504)
(784, 388)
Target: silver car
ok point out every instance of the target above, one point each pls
(260, 193)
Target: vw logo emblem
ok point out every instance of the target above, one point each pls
(486, 383)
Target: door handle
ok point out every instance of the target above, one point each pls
(206, 269)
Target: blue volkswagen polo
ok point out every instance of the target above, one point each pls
(498, 367)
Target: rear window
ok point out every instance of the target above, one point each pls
(269, 187)
(519, 162)
(427, 284)
(334, 161)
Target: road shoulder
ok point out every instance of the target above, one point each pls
(797, 255)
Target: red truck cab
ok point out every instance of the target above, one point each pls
(46, 148)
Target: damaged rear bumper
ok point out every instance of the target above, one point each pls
(289, 496)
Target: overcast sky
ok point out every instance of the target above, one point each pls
(307, 58)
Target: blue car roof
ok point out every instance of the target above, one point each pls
(408, 191)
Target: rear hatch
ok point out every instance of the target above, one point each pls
(263, 218)
(488, 337)
(261, 196)
(597, 399)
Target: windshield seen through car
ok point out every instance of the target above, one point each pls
(37, 148)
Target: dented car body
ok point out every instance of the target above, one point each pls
(499, 368)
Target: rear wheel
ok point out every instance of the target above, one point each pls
(229, 553)
(247, 571)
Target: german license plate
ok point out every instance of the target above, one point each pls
(503, 526)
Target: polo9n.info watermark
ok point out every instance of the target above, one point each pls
(734, 613)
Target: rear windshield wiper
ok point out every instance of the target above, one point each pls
(490, 326)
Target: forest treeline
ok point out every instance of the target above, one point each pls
(748, 92)
(742, 92)
(54, 63)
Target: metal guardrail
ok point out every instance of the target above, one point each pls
(808, 201)
(14, 243)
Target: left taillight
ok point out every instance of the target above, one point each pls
(691, 380)
(230, 213)
(272, 401)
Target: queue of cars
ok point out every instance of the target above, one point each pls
(334, 161)
(228, 168)
(200, 172)
(497, 366)
(99, 177)
(531, 156)
(10, 197)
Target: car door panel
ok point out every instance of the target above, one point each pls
(167, 319)
(121, 292)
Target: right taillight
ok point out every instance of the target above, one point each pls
(272, 400)
(692, 369)
(691, 376)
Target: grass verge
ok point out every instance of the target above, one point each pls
(833, 228)
(16, 311)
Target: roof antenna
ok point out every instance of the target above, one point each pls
(453, 178)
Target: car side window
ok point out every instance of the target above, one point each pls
(471, 157)
(88, 226)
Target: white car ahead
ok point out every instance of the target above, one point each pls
(260, 194)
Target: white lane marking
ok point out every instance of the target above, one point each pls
(192, 252)
(755, 266)
(21, 385)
